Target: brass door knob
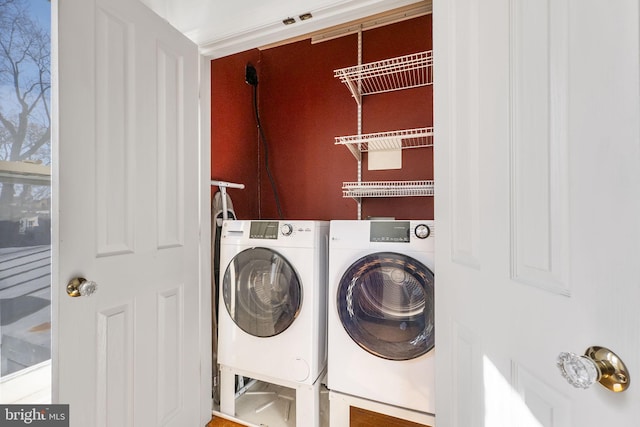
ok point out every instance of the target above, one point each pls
(598, 364)
(80, 287)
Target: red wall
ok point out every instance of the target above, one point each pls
(302, 107)
(234, 139)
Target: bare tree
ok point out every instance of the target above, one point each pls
(25, 82)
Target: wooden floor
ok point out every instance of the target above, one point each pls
(221, 422)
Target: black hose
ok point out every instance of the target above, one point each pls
(266, 151)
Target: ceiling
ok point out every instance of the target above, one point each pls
(224, 27)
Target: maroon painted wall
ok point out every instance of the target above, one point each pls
(302, 107)
(234, 138)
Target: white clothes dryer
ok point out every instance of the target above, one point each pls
(381, 312)
(272, 307)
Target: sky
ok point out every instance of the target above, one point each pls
(42, 12)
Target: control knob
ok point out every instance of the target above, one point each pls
(286, 229)
(422, 231)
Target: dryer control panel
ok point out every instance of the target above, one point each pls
(397, 231)
(390, 231)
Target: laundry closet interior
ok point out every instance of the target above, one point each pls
(326, 162)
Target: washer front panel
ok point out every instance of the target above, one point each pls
(262, 292)
(385, 301)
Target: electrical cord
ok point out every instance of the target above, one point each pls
(266, 150)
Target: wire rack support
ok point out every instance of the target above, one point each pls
(382, 141)
(358, 190)
(403, 72)
(359, 90)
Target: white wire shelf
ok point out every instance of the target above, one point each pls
(358, 190)
(382, 141)
(403, 72)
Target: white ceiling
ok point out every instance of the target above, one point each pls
(223, 27)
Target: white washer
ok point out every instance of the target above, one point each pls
(381, 319)
(272, 307)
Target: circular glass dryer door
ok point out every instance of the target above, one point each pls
(385, 302)
(262, 292)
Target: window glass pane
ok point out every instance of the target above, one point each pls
(25, 199)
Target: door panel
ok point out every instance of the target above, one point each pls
(539, 35)
(538, 189)
(127, 185)
(115, 139)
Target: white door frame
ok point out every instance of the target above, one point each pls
(206, 265)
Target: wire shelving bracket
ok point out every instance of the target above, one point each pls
(358, 190)
(382, 141)
(403, 72)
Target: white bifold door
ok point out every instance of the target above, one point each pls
(537, 153)
(126, 188)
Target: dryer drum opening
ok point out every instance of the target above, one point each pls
(385, 303)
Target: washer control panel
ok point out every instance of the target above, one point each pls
(263, 230)
(275, 229)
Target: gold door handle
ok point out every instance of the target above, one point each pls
(80, 287)
(598, 364)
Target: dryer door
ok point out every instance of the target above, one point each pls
(262, 292)
(385, 303)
